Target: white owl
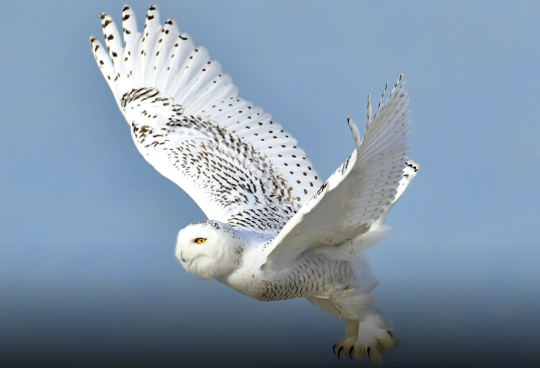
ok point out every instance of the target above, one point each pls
(275, 230)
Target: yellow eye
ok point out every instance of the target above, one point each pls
(200, 240)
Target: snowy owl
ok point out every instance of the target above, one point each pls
(275, 231)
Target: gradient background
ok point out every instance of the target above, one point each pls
(87, 230)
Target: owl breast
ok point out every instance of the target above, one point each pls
(311, 275)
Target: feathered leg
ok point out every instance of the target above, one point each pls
(368, 331)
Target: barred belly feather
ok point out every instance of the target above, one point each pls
(311, 276)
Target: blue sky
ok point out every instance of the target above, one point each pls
(84, 215)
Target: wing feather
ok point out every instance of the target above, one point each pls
(176, 99)
(357, 197)
(227, 177)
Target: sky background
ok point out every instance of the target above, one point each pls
(88, 228)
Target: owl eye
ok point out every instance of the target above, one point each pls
(200, 240)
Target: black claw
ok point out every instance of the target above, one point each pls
(390, 333)
(334, 349)
(339, 352)
(368, 354)
(350, 353)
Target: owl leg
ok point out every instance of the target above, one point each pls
(368, 332)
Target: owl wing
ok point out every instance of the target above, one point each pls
(187, 121)
(361, 192)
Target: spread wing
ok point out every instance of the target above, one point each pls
(361, 192)
(188, 122)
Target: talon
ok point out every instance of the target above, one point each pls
(334, 349)
(368, 354)
(389, 333)
(350, 353)
(339, 352)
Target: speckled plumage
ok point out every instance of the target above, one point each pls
(276, 231)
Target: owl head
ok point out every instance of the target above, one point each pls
(209, 249)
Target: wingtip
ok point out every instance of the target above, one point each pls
(413, 165)
(397, 83)
(170, 22)
(152, 16)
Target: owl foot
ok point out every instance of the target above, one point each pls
(368, 338)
